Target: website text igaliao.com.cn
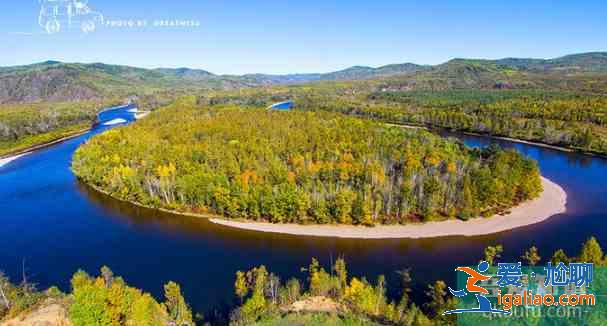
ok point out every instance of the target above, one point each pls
(528, 299)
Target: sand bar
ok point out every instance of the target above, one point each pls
(9, 159)
(114, 122)
(142, 115)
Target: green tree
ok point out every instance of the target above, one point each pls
(120, 298)
(341, 272)
(293, 288)
(178, 309)
(592, 253)
(108, 276)
(145, 312)
(256, 304)
(343, 206)
(253, 308)
(532, 256)
(415, 316)
(405, 283)
(380, 294)
(240, 286)
(493, 253)
(362, 296)
(320, 280)
(560, 256)
(439, 303)
(89, 305)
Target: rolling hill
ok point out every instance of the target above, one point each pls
(581, 72)
(589, 62)
(57, 81)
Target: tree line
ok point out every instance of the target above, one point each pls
(567, 118)
(267, 300)
(263, 298)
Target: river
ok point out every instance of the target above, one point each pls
(53, 225)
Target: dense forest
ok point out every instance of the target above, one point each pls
(25, 125)
(567, 120)
(29, 124)
(323, 297)
(565, 117)
(301, 167)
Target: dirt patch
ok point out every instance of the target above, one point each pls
(315, 304)
(50, 313)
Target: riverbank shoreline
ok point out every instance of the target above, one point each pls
(7, 158)
(11, 156)
(514, 140)
(551, 202)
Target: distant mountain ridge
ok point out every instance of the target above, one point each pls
(591, 61)
(194, 74)
(587, 71)
(58, 81)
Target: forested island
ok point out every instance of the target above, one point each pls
(301, 167)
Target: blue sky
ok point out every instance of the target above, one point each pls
(236, 37)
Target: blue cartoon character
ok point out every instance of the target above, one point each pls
(55, 14)
(484, 305)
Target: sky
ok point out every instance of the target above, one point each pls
(255, 36)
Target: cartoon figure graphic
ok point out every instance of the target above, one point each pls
(484, 305)
(56, 13)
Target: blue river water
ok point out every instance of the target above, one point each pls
(54, 225)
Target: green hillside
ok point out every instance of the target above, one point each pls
(57, 81)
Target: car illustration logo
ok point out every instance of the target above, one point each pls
(58, 14)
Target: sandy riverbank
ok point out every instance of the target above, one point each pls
(115, 122)
(9, 159)
(551, 202)
(142, 115)
(514, 140)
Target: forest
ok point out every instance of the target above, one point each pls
(325, 296)
(26, 125)
(301, 167)
(569, 118)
